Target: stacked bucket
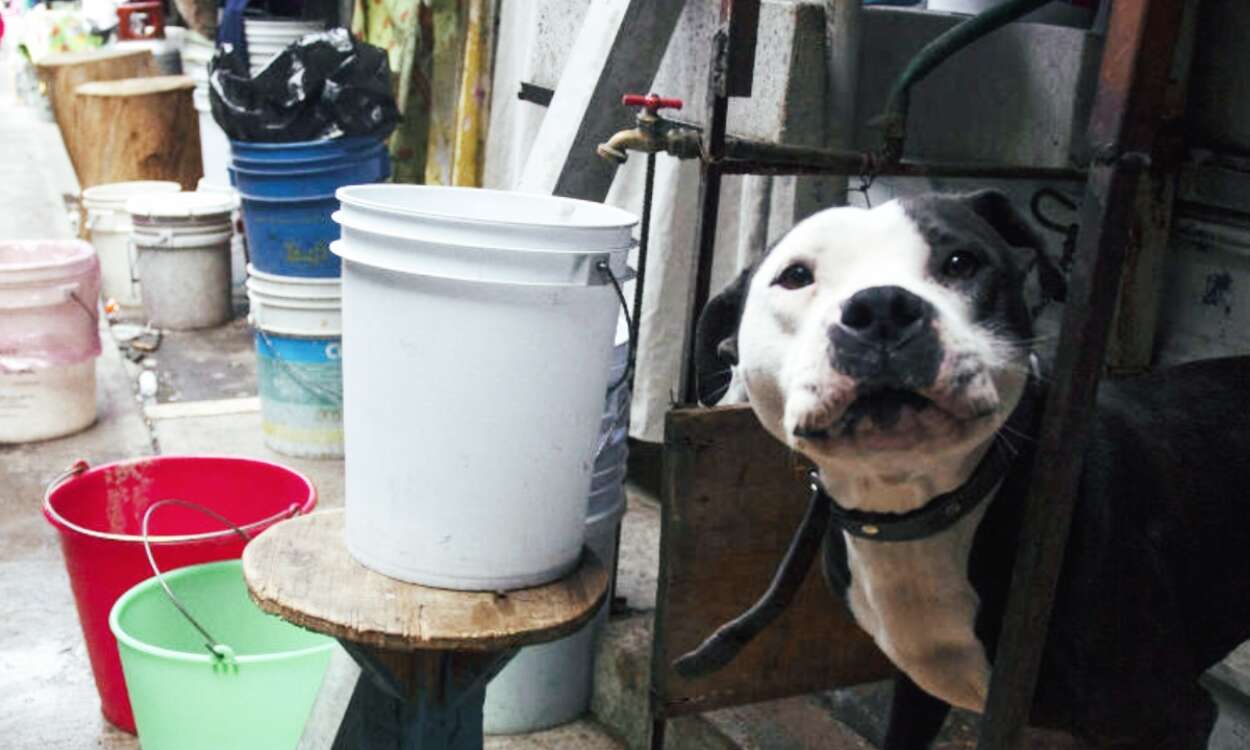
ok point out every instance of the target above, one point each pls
(266, 37)
(481, 453)
(293, 286)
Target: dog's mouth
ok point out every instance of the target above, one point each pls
(884, 406)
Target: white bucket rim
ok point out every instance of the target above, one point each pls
(115, 194)
(206, 185)
(82, 258)
(364, 196)
(183, 205)
(273, 298)
(295, 281)
(344, 220)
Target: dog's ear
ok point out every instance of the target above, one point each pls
(716, 338)
(995, 208)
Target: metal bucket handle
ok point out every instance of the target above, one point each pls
(223, 655)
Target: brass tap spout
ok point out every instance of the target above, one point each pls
(651, 135)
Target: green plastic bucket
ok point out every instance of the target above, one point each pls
(256, 693)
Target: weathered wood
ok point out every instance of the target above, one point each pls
(61, 73)
(732, 499)
(136, 129)
(301, 571)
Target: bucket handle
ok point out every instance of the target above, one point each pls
(223, 655)
(605, 269)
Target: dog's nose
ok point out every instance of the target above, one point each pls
(885, 315)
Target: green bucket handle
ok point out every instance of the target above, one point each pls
(223, 655)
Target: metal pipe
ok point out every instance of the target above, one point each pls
(644, 242)
(893, 119)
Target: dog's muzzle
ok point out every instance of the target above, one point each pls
(885, 338)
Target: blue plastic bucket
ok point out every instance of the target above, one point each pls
(308, 181)
(292, 236)
(287, 191)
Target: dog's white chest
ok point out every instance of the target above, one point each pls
(915, 599)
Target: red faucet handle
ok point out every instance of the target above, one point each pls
(651, 102)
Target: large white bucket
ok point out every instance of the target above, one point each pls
(298, 362)
(183, 245)
(479, 332)
(49, 338)
(108, 229)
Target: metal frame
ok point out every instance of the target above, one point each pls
(1124, 125)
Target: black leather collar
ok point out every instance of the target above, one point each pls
(943, 511)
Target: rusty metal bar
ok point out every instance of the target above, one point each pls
(741, 19)
(709, 202)
(1123, 125)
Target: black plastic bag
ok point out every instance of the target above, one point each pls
(325, 85)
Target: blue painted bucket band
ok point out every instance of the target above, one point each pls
(292, 236)
(300, 381)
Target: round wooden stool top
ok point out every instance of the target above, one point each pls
(136, 86)
(301, 571)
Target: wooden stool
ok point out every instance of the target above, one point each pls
(427, 653)
(135, 129)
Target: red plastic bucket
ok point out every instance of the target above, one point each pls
(99, 513)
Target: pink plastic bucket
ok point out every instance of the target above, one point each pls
(99, 513)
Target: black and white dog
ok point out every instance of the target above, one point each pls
(893, 348)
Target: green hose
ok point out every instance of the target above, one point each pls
(893, 120)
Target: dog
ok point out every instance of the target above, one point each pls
(894, 349)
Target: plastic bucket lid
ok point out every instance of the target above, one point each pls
(188, 205)
(184, 698)
(115, 194)
(98, 514)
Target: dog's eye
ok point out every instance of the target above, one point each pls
(961, 265)
(795, 276)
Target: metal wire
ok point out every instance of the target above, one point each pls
(606, 269)
(215, 648)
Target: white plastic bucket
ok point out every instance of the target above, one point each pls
(214, 144)
(298, 323)
(108, 229)
(550, 684)
(480, 334)
(267, 38)
(49, 338)
(183, 246)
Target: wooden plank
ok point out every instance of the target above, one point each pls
(618, 51)
(732, 497)
(301, 571)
